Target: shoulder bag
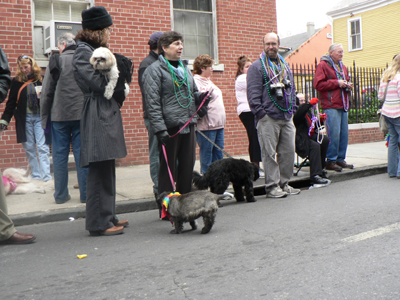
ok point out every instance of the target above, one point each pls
(382, 121)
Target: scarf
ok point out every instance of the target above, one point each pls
(32, 99)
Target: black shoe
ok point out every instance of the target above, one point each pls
(318, 181)
(62, 202)
(324, 174)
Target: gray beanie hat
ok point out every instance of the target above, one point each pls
(96, 18)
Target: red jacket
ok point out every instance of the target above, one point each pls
(326, 83)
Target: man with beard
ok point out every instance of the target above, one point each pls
(272, 99)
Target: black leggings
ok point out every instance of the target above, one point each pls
(247, 119)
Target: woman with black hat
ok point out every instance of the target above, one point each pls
(102, 132)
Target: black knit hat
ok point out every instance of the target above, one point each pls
(96, 18)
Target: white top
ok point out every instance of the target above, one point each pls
(241, 94)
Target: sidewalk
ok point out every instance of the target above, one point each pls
(135, 188)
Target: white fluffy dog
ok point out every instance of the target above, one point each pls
(104, 60)
(18, 181)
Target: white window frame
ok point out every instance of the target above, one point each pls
(42, 61)
(349, 36)
(217, 66)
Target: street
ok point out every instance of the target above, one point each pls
(338, 242)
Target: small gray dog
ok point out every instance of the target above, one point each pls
(188, 207)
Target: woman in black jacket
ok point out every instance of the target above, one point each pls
(102, 132)
(23, 104)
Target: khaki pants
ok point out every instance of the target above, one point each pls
(7, 228)
(277, 142)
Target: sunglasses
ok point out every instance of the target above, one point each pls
(24, 57)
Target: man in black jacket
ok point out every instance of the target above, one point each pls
(8, 233)
(153, 144)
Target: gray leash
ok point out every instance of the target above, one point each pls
(208, 139)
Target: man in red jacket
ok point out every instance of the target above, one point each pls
(332, 81)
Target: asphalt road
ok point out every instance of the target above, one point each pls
(338, 242)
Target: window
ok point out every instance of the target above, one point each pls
(354, 31)
(47, 10)
(196, 21)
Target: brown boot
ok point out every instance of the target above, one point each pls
(333, 167)
(344, 164)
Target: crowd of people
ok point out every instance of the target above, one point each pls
(278, 120)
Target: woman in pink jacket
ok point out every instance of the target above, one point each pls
(212, 124)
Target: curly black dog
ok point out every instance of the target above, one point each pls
(238, 171)
(188, 207)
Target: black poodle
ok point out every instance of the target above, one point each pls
(218, 175)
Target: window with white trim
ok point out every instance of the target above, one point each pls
(46, 10)
(196, 21)
(354, 34)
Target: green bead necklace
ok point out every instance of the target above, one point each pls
(269, 93)
(178, 83)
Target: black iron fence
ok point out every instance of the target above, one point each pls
(364, 97)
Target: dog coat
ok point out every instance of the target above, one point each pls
(164, 211)
(13, 185)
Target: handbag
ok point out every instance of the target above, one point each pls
(382, 121)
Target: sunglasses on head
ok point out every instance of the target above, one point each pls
(24, 57)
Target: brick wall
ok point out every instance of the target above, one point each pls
(241, 25)
(365, 133)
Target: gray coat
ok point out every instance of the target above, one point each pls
(102, 132)
(5, 76)
(61, 97)
(164, 110)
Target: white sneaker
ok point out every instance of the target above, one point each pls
(276, 192)
(290, 190)
(261, 173)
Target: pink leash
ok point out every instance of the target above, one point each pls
(165, 151)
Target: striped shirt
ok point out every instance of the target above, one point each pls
(391, 106)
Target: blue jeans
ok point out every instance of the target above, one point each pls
(154, 155)
(35, 140)
(338, 130)
(208, 152)
(63, 133)
(393, 167)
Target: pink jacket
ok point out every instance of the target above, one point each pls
(215, 118)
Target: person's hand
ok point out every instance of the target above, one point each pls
(208, 98)
(162, 137)
(3, 127)
(342, 83)
(322, 117)
(314, 101)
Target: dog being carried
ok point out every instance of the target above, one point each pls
(238, 171)
(104, 60)
(189, 207)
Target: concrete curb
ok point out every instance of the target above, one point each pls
(137, 205)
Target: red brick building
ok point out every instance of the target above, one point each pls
(223, 29)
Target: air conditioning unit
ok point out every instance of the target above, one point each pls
(54, 29)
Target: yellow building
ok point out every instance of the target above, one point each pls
(368, 30)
